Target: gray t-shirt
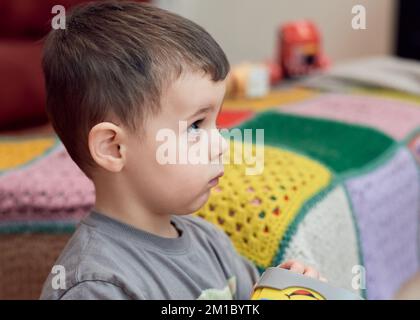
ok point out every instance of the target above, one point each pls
(107, 259)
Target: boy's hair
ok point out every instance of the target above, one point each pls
(113, 61)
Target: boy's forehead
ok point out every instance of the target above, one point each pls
(192, 92)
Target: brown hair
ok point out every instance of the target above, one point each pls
(113, 60)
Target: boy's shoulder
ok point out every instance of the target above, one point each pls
(88, 257)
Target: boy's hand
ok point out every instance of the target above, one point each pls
(296, 266)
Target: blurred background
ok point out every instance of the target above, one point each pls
(247, 30)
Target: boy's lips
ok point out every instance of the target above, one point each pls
(213, 182)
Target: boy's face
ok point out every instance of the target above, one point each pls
(183, 131)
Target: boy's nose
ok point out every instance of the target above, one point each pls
(218, 146)
(224, 145)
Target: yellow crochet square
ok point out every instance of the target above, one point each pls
(17, 152)
(256, 210)
(275, 98)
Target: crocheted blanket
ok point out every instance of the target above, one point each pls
(340, 188)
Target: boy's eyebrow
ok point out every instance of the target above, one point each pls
(200, 111)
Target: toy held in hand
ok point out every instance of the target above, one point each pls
(282, 284)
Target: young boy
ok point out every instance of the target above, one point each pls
(118, 74)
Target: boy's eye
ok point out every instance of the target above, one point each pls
(195, 125)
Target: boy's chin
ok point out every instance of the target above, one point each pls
(197, 203)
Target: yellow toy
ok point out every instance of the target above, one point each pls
(282, 284)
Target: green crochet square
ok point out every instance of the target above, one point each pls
(340, 146)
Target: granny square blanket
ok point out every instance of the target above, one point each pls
(340, 189)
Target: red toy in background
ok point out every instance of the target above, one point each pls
(299, 49)
(299, 52)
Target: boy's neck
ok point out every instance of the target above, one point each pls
(120, 205)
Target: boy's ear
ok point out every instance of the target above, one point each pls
(107, 146)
